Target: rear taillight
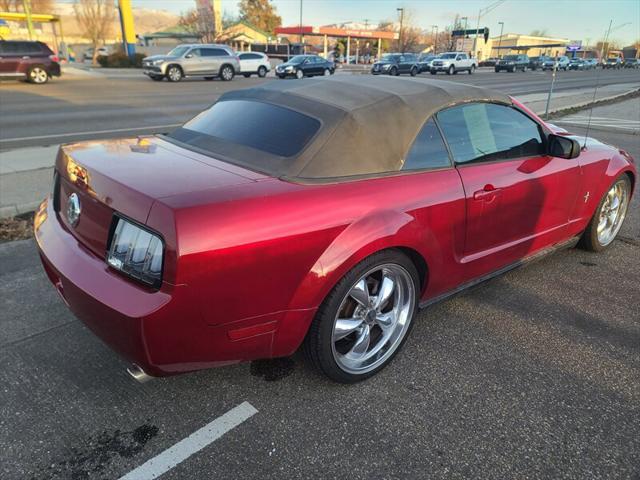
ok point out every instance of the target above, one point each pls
(55, 58)
(136, 252)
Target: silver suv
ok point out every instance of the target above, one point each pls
(197, 60)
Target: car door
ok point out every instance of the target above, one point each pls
(214, 58)
(518, 197)
(10, 58)
(247, 63)
(192, 62)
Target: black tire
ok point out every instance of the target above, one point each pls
(414, 71)
(262, 72)
(589, 240)
(174, 73)
(38, 75)
(317, 345)
(451, 70)
(432, 72)
(156, 78)
(227, 73)
(299, 74)
(497, 70)
(512, 69)
(246, 75)
(472, 69)
(326, 72)
(394, 72)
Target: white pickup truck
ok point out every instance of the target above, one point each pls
(452, 63)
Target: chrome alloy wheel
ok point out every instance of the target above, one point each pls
(38, 75)
(373, 318)
(227, 74)
(174, 74)
(612, 212)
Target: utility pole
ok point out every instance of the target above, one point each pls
(26, 4)
(400, 45)
(500, 39)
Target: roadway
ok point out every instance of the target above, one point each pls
(112, 105)
(535, 374)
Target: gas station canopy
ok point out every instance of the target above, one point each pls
(336, 32)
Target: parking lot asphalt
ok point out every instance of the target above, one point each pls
(535, 374)
(100, 106)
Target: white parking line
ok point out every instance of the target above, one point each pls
(94, 132)
(195, 442)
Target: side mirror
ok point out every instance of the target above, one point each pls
(189, 55)
(563, 147)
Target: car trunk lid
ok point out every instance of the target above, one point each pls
(127, 176)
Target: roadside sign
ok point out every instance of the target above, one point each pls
(574, 45)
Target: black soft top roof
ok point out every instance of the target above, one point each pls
(368, 123)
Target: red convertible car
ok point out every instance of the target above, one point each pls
(319, 214)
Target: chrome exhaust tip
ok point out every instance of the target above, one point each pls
(138, 374)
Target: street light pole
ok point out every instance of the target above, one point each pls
(301, 37)
(500, 39)
(400, 46)
(435, 38)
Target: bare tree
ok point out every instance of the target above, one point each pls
(37, 6)
(96, 18)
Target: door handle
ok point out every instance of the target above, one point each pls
(26, 57)
(488, 192)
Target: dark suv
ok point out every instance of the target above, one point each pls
(511, 63)
(396, 63)
(30, 61)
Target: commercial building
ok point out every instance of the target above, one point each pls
(512, 43)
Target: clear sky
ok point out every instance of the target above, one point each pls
(585, 20)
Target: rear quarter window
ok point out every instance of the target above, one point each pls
(261, 126)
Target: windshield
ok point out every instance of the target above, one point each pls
(511, 57)
(178, 51)
(448, 55)
(298, 59)
(390, 57)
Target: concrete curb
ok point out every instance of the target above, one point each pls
(589, 103)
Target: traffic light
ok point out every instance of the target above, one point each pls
(486, 34)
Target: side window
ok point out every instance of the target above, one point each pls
(428, 150)
(245, 56)
(195, 52)
(219, 52)
(481, 132)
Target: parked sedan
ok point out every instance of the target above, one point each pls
(576, 63)
(424, 62)
(612, 63)
(631, 63)
(254, 63)
(294, 215)
(396, 64)
(302, 66)
(512, 63)
(536, 62)
(559, 63)
(34, 62)
(489, 62)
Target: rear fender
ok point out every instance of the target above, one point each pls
(366, 236)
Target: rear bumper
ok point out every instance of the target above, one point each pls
(54, 69)
(161, 331)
